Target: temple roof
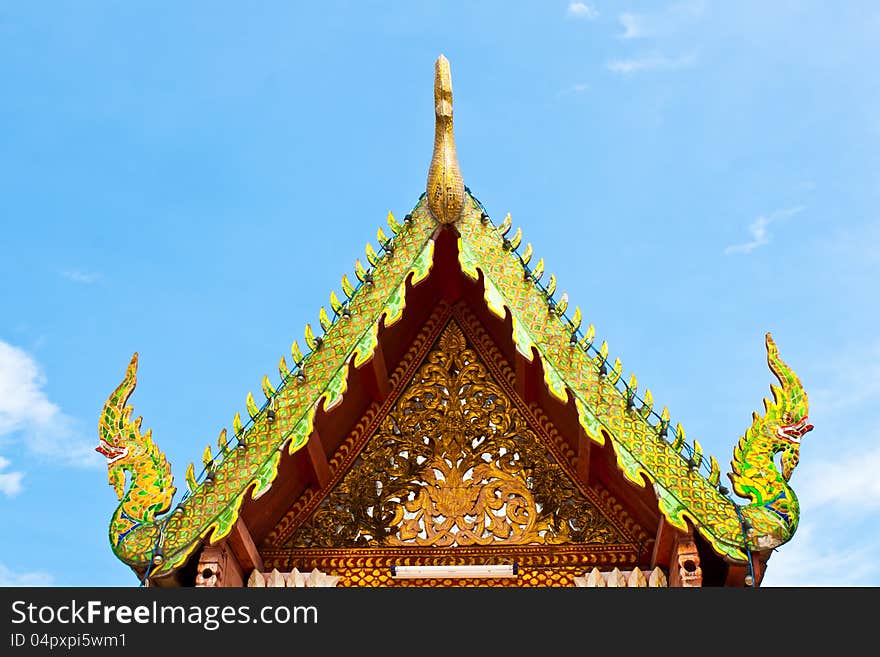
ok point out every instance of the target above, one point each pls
(577, 370)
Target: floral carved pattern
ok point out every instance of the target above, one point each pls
(454, 463)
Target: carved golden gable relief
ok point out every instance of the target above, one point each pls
(453, 464)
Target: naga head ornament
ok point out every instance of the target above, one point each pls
(787, 414)
(773, 510)
(149, 489)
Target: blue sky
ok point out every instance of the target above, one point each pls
(190, 182)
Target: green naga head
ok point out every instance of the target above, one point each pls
(773, 510)
(128, 450)
(787, 415)
(115, 430)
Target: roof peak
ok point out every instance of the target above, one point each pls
(445, 189)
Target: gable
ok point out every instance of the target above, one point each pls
(458, 469)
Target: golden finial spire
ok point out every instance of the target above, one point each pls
(445, 184)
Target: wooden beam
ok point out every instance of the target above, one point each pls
(525, 377)
(380, 372)
(374, 375)
(582, 464)
(759, 563)
(243, 547)
(736, 575)
(318, 458)
(664, 541)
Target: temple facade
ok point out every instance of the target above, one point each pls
(450, 421)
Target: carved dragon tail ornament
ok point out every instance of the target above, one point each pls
(771, 517)
(150, 488)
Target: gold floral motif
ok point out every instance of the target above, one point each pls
(454, 463)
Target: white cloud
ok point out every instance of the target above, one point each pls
(818, 558)
(758, 230)
(582, 10)
(635, 26)
(80, 276)
(27, 414)
(851, 483)
(650, 63)
(22, 401)
(32, 578)
(10, 482)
